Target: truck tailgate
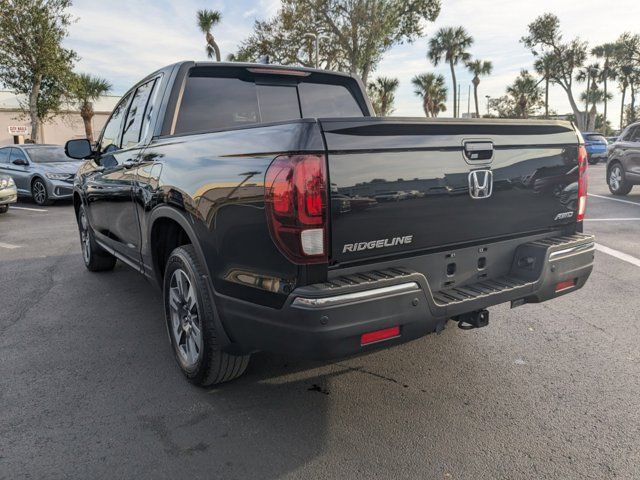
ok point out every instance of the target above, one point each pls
(400, 185)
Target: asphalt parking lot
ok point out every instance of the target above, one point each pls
(89, 389)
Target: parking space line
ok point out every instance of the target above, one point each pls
(614, 199)
(29, 209)
(612, 219)
(619, 255)
(9, 246)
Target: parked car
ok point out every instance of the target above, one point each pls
(8, 193)
(212, 179)
(596, 146)
(623, 164)
(42, 172)
(611, 140)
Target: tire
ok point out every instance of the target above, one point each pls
(190, 319)
(39, 193)
(593, 161)
(4, 208)
(617, 180)
(96, 259)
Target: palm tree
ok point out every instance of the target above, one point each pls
(450, 44)
(431, 88)
(526, 94)
(382, 95)
(207, 19)
(594, 97)
(588, 74)
(606, 52)
(86, 89)
(544, 66)
(478, 68)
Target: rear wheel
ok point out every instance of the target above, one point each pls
(4, 208)
(96, 259)
(618, 184)
(39, 193)
(593, 160)
(190, 318)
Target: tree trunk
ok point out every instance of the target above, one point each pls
(217, 50)
(475, 98)
(86, 112)
(546, 98)
(586, 101)
(592, 117)
(212, 43)
(33, 109)
(425, 106)
(576, 111)
(383, 106)
(455, 90)
(624, 93)
(604, 115)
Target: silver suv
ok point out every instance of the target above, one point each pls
(623, 162)
(42, 172)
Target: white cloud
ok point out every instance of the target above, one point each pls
(124, 40)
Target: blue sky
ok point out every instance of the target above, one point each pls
(125, 40)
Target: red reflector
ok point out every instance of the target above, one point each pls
(378, 335)
(565, 285)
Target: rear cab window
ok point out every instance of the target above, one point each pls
(216, 98)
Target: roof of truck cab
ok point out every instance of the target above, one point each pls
(269, 66)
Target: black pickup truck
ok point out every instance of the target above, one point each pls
(276, 214)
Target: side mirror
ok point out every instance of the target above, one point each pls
(20, 161)
(78, 149)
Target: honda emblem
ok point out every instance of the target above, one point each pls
(480, 184)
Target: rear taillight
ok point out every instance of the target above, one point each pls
(582, 182)
(296, 204)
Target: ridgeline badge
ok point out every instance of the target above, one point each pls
(374, 244)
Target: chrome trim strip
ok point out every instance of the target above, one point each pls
(575, 249)
(352, 297)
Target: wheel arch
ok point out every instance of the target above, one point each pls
(163, 217)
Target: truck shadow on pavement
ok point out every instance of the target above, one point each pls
(90, 389)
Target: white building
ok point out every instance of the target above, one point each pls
(67, 125)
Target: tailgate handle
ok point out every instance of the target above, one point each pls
(478, 151)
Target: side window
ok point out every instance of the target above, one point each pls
(4, 155)
(16, 154)
(111, 132)
(211, 103)
(133, 123)
(635, 136)
(629, 134)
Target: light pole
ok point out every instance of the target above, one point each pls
(488, 98)
(316, 40)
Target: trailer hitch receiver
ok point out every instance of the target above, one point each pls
(471, 320)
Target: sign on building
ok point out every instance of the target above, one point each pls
(18, 130)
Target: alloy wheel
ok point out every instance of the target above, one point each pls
(186, 327)
(39, 192)
(84, 237)
(615, 178)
